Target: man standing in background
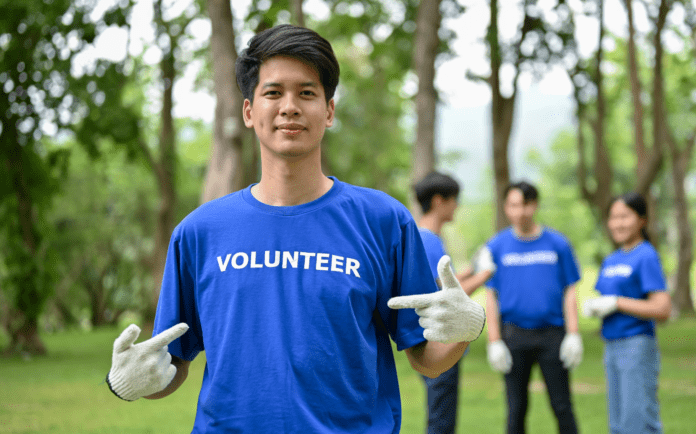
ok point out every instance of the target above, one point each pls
(531, 309)
(437, 195)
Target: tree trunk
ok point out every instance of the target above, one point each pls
(681, 296)
(599, 195)
(648, 161)
(165, 169)
(297, 14)
(424, 52)
(225, 172)
(502, 115)
(30, 296)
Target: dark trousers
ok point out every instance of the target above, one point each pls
(540, 346)
(442, 401)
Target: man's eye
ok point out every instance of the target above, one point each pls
(307, 93)
(271, 93)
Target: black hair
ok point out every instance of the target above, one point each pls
(638, 204)
(435, 183)
(529, 192)
(300, 43)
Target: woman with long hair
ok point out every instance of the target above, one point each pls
(633, 295)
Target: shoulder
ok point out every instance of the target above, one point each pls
(209, 214)
(647, 251)
(374, 203)
(500, 238)
(557, 238)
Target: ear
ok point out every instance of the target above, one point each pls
(330, 111)
(246, 113)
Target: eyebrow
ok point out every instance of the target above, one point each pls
(306, 84)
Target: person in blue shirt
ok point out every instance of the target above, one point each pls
(438, 195)
(633, 296)
(531, 307)
(294, 285)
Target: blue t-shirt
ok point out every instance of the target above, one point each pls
(290, 306)
(633, 274)
(531, 277)
(434, 248)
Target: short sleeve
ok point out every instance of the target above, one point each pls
(412, 276)
(492, 282)
(434, 249)
(569, 265)
(650, 273)
(177, 300)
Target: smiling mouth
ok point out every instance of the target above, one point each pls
(290, 128)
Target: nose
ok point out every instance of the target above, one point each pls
(289, 105)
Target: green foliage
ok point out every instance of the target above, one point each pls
(45, 91)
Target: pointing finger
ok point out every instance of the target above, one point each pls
(410, 301)
(444, 271)
(126, 339)
(169, 335)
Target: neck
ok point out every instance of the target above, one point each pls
(527, 232)
(431, 222)
(631, 244)
(290, 181)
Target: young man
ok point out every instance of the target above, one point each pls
(437, 195)
(532, 295)
(287, 285)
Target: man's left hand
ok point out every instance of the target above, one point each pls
(571, 350)
(448, 315)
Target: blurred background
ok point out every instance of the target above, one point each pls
(119, 117)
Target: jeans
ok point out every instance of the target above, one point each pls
(632, 367)
(540, 346)
(442, 401)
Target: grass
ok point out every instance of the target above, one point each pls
(64, 393)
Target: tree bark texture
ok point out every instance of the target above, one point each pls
(225, 172)
(424, 52)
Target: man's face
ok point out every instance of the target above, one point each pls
(449, 206)
(289, 113)
(520, 214)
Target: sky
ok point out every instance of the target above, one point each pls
(463, 120)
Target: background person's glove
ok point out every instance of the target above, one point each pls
(571, 350)
(142, 369)
(600, 307)
(499, 356)
(448, 315)
(483, 260)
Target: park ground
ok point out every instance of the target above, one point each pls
(65, 392)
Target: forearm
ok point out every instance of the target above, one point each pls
(570, 310)
(181, 375)
(472, 283)
(433, 358)
(657, 306)
(492, 316)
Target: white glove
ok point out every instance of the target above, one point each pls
(483, 260)
(448, 315)
(600, 307)
(571, 350)
(142, 369)
(499, 356)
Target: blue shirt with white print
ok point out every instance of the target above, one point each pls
(531, 277)
(635, 274)
(290, 306)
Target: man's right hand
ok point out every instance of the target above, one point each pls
(499, 356)
(145, 368)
